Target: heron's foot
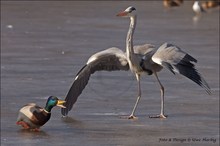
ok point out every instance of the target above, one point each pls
(161, 116)
(132, 117)
(129, 117)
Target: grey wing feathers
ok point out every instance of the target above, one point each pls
(176, 60)
(110, 59)
(143, 49)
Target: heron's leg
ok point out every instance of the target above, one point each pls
(138, 98)
(162, 100)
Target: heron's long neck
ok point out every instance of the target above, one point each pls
(129, 40)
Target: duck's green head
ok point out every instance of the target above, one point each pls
(53, 101)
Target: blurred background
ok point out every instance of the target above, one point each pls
(45, 43)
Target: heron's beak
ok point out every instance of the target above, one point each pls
(121, 14)
(60, 103)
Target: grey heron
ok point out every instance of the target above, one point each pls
(143, 59)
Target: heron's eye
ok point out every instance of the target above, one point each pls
(132, 9)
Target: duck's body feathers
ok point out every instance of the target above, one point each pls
(33, 115)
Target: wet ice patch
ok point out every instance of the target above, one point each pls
(108, 114)
(10, 26)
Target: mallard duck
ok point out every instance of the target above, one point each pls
(210, 4)
(31, 116)
(172, 3)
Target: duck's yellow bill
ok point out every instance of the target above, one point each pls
(60, 103)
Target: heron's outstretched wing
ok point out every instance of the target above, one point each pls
(144, 49)
(176, 60)
(110, 59)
